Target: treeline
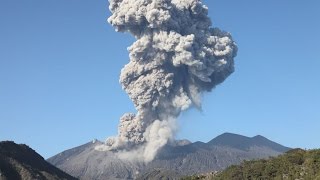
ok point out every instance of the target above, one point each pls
(295, 164)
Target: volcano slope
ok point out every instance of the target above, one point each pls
(175, 159)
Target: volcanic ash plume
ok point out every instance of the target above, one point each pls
(176, 57)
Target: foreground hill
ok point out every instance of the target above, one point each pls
(174, 160)
(21, 162)
(295, 164)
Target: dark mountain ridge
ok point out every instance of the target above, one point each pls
(22, 162)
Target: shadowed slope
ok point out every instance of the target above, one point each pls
(21, 162)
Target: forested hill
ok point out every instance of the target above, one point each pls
(295, 164)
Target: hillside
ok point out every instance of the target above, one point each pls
(174, 159)
(21, 162)
(295, 164)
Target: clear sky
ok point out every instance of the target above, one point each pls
(60, 63)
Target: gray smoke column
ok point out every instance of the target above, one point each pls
(176, 57)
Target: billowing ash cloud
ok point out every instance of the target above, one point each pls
(177, 56)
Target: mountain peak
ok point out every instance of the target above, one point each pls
(229, 139)
(245, 143)
(259, 137)
(228, 136)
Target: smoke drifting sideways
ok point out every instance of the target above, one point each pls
(176, 57)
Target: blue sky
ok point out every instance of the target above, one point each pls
(60, 63)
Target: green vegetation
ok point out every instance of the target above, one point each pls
(295, 164)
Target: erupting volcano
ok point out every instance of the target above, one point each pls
(176, 57)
